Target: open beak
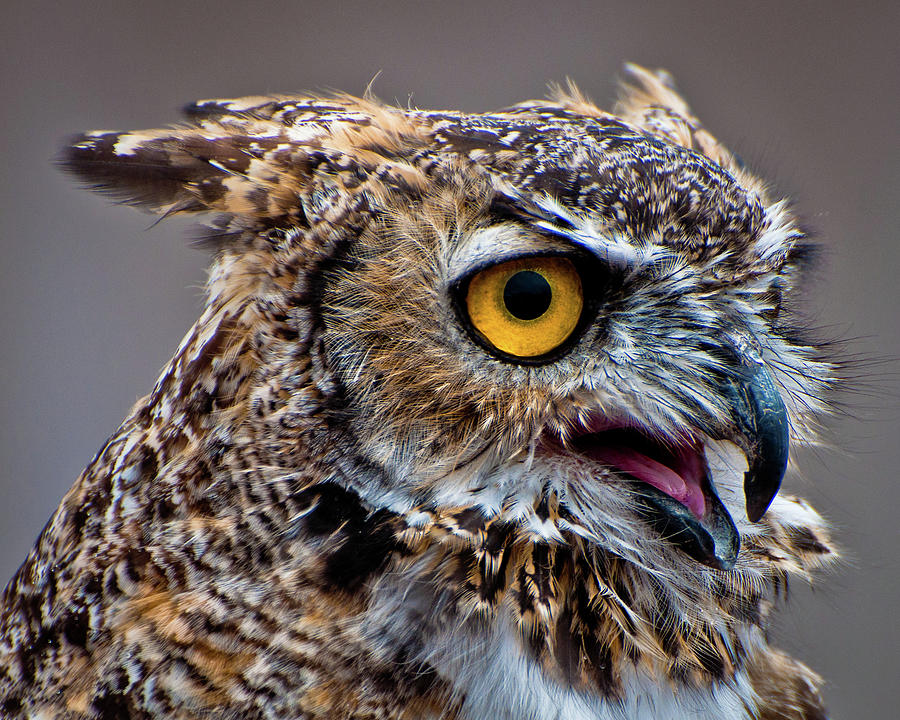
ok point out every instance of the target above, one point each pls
(673, 484)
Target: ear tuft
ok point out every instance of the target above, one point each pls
(147, 169)
(649, 100)
(206, 168)
(641, 88)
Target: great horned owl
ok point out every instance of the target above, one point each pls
(484, 418)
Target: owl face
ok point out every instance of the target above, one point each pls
(513, 353)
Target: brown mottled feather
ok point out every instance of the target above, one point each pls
(335, 504)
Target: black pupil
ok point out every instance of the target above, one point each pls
(527, 295)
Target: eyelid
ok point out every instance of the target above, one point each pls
(497, 244)
(618, 254)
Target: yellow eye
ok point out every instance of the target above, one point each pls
(526, 307)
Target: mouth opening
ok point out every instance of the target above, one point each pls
(678, 471)
(674, 490)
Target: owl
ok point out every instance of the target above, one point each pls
(485, 418)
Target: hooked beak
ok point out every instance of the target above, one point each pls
(760, 430)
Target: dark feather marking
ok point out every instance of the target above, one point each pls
(364, 541)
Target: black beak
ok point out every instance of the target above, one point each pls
(760, 430)
(712, 540)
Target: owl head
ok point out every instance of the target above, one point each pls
(570, 324)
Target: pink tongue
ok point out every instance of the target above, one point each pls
(687, 491)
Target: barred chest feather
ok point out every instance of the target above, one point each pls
(492, 674)
(512, 628)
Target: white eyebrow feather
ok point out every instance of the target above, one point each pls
(552, 216)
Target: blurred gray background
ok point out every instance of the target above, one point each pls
(94, 300)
